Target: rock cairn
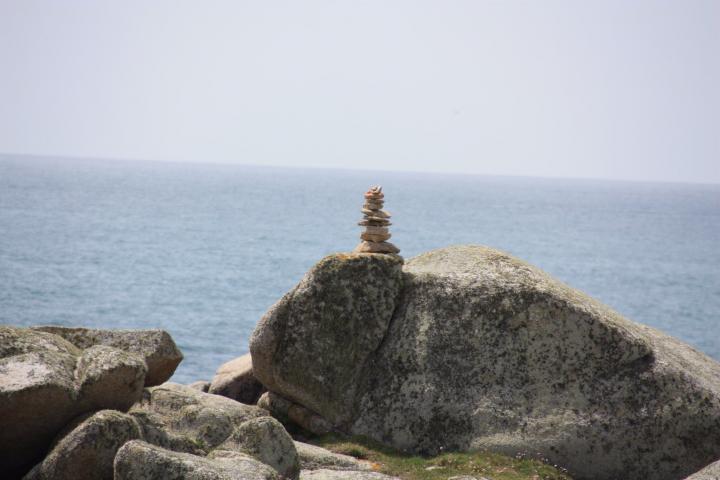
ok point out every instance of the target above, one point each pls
(376, 221)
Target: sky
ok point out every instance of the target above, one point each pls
(595, 89)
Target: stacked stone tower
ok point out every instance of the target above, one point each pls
(376, 221)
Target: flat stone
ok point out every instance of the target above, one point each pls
(376, 230)
(374, 222)
(375, 237)
(381, 214)
(376, 247)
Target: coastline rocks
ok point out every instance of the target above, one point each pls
(87, 451)
(45, 382)
(157, 347)
(313, 345)
(486, 352)
(235, 379)
(138, 460)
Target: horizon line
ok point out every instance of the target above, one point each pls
(351, 169)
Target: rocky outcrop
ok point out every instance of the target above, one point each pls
(314, 344)
(235, 379)
(45, 382)
(138, 460)
(474, 349)
(711, 472)
(182, 419)
(155, 346)
(87, 450)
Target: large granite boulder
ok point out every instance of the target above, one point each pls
(138, 460)
(87, 448)
(183, 419)
(235, 379)
(157, 347)
(473, 349)
(313, 346)
(45, 382)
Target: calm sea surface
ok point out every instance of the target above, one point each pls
(203, 250)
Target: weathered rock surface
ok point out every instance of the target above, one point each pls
(265, 439)
(138, 460)
(485, 351)
(287, 411)
(87, 451)
(183, 419)
(235, 379)
(711, 472)
(157, 347)
(45, 382)
(326, 474)
(313, 345)
(313, 457)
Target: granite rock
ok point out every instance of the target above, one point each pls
(87, 448)
(138, 460)
(235, 379)
(313, 345)
(45, 382)
(486, 352)
(313, 457)
(157, 347)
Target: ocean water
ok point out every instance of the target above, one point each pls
(203, 250)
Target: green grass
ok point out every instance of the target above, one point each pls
(412, 467)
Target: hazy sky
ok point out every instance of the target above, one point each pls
(612, 89)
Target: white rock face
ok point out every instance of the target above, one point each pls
(484, 351)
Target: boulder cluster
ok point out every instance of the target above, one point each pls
(463, 348)
(375, 236)
(88, 404)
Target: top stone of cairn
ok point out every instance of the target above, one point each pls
(376, 221)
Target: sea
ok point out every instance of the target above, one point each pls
(203, 250)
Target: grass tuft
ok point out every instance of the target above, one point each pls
(413, 467)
